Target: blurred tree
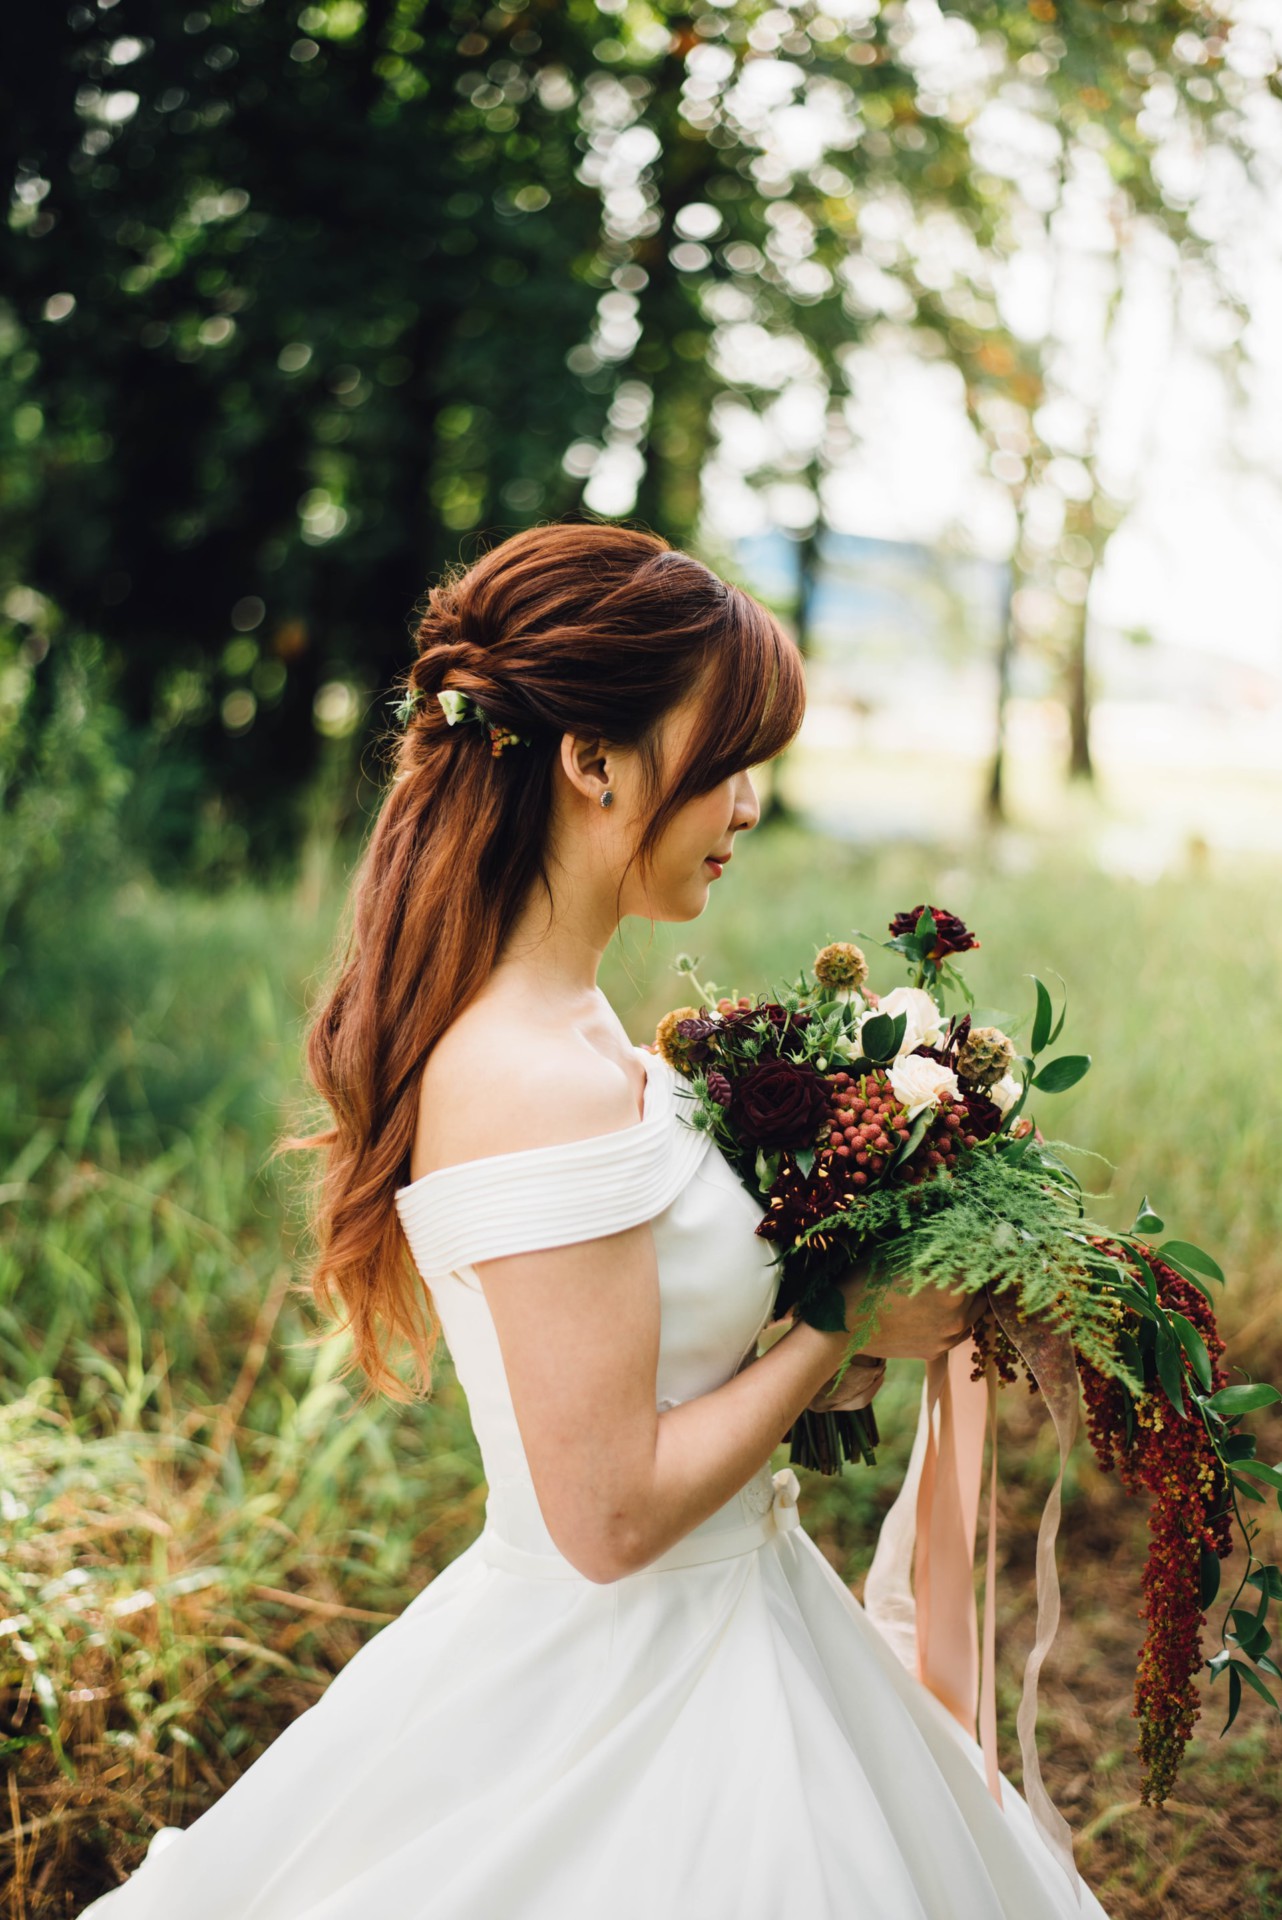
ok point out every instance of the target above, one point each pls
(290, 297)
(302, 296)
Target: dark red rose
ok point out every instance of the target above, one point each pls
(779, 1103)
(950, 934)
(983, 1116)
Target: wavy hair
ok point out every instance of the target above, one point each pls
(591, 629)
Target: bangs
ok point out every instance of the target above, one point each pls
(752, 701)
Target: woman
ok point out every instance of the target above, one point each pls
(642, 1691)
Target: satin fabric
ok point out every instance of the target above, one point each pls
(724, 1735)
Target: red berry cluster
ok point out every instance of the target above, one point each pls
(867, 1126)
(1174, 1460)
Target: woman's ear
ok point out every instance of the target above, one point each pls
(585, 763)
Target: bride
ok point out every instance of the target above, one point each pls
(642, 1691)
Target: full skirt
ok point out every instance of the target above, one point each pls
(727, 1741)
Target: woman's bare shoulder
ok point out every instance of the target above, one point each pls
(493, 1084)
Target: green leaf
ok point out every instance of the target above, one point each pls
(1238, 1446)
(1147, 1275)
(1208, 1572)
(1268, 1580)
(1184, 1250)
(1229, 1402)
(805, 1159)
(1188, 1274)
(1055, 1031)
(1252, 1680)
(1043, 1017)
(1271, 1476)
(880, 1036)
(766, 1169)
(1138, 1302)
(995, 1017)
(1169, 1371)
(925, 929)
(1058, 1075)
(1252, 1636)
(1195, 1347)
(825, 1309)
(1235, 1695)
(1244, 1487)
(1146, 1221)
(915, 1133)
(1267, 1665)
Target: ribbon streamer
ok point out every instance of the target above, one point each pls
(920, 1591)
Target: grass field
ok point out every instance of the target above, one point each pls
(197, 1529)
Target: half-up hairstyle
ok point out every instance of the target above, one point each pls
(590, 629)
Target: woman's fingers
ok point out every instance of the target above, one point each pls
(860, 1384)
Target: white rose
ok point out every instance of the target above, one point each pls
(918, 1082)
(925, 1025)
(1005, 1092)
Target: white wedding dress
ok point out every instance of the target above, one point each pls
(722, 1736)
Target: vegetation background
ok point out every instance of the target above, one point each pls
(299, 306)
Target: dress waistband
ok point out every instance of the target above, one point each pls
(695, 1550)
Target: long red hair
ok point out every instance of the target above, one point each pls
(591, 629)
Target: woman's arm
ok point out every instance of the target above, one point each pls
(617, 1481)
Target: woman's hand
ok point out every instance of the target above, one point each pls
(919, 1326)
(862, 1381)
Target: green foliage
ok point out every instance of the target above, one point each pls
(62, 781)
(992, 1225)
(300, 300)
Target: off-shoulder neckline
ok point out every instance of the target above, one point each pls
(650, 1112)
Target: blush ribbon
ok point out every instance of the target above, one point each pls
(920, 1591)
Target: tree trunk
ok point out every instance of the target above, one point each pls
(807, 579)
(1078, 703)
(995, 798)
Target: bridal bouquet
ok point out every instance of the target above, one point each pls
(881, 1129)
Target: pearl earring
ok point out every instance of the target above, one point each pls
(606, 798)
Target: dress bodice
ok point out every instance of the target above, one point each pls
(716, 1277)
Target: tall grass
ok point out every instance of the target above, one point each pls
(198, 1527)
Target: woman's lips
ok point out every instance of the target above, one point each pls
(716, 866)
